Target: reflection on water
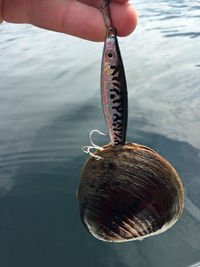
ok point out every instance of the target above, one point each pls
(50, 101)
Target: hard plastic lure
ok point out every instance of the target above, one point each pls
(113, 86)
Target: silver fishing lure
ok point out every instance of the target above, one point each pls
(113, 85)
(113, 88)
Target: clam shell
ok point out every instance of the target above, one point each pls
(131, 193)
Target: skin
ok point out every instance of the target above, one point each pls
(80, 18)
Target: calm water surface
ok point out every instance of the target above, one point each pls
(49, 102)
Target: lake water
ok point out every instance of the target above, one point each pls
(50, 101)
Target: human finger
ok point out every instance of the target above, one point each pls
(72, 17)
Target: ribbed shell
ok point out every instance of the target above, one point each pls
(130, 194)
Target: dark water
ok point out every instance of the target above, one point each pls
(50, 101)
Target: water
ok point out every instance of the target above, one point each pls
(50, 100)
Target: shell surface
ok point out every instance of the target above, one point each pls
(131, 194)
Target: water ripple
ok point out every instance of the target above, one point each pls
(184, 34)
(177, 14)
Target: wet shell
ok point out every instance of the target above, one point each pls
(130, 194)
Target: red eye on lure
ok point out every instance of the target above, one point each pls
(126, 191)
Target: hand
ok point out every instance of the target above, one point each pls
(81, 18)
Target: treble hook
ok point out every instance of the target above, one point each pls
(86, 149)
(107, 18)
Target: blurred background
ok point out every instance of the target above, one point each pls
(50, 101)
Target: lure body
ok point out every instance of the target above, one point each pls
(114, 91)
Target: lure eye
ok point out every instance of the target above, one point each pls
(110, 54)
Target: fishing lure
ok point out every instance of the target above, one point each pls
(113, 85)
(113, 88)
